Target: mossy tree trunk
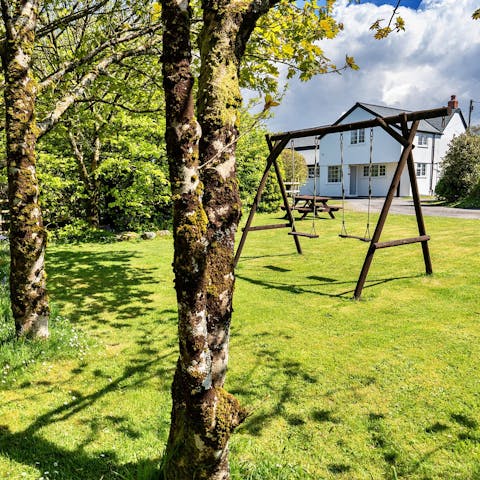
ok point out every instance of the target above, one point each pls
(206, 214)
(27, 234)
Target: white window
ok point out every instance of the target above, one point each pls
(377, 170)
(311, 171)
(421, 169)
(422, 140)
(334, 174)
(357, 136)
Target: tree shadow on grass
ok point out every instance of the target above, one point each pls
(100, 282)
(29, 448)
(398, 463)
(312, 288)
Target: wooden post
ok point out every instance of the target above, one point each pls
(407, 150)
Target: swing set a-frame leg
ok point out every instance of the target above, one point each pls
(418, 209)
(275, 151)
(406, 154)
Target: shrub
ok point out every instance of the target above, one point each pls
(461, 168)
(80, 231)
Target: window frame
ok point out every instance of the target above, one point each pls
(422, 140)
(311, 171)
(378, 170)
(421, 169)
(334, 174)
(357, 136)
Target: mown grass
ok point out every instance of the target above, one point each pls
(384, 388)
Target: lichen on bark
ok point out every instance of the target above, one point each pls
(207, 210)
(27, 234)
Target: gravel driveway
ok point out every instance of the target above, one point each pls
(405, 207)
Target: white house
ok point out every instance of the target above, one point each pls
(431, 144)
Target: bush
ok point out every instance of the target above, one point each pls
(80, 231)
(472, 200)
(461, 168)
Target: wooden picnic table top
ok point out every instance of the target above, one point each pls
(312, 197)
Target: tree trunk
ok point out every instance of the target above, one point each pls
(203, 414)
(27, 233)
(206, 213)
(88, 175)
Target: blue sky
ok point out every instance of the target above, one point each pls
(437, 56)
(405, 3)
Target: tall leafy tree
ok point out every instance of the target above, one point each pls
(77, 49)
(201, 139)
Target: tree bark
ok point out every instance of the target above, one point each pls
(206, 214)
(27, 234)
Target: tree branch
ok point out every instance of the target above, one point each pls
(101, 68)
(73, 64)
(67, 19)
(93, 100)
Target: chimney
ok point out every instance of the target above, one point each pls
(453, 102)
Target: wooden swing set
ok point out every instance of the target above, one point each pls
(402, 128)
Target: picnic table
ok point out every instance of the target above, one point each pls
(306, 204)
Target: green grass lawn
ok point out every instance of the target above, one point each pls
(384, 388)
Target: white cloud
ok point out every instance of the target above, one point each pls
(437, 56)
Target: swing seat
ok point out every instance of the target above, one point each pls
(302, 234)
(363, 239)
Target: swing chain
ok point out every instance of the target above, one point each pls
(370, 162)
(293, 185)
(344, 228)
(315, 172)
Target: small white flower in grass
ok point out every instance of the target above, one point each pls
(55, 464)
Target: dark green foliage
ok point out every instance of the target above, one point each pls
(134, 192)
(80, 231)
(461, 169)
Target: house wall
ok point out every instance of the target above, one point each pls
(386, 151)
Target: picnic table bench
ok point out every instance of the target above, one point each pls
(306, 204)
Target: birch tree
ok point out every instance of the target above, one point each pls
(201, 139)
